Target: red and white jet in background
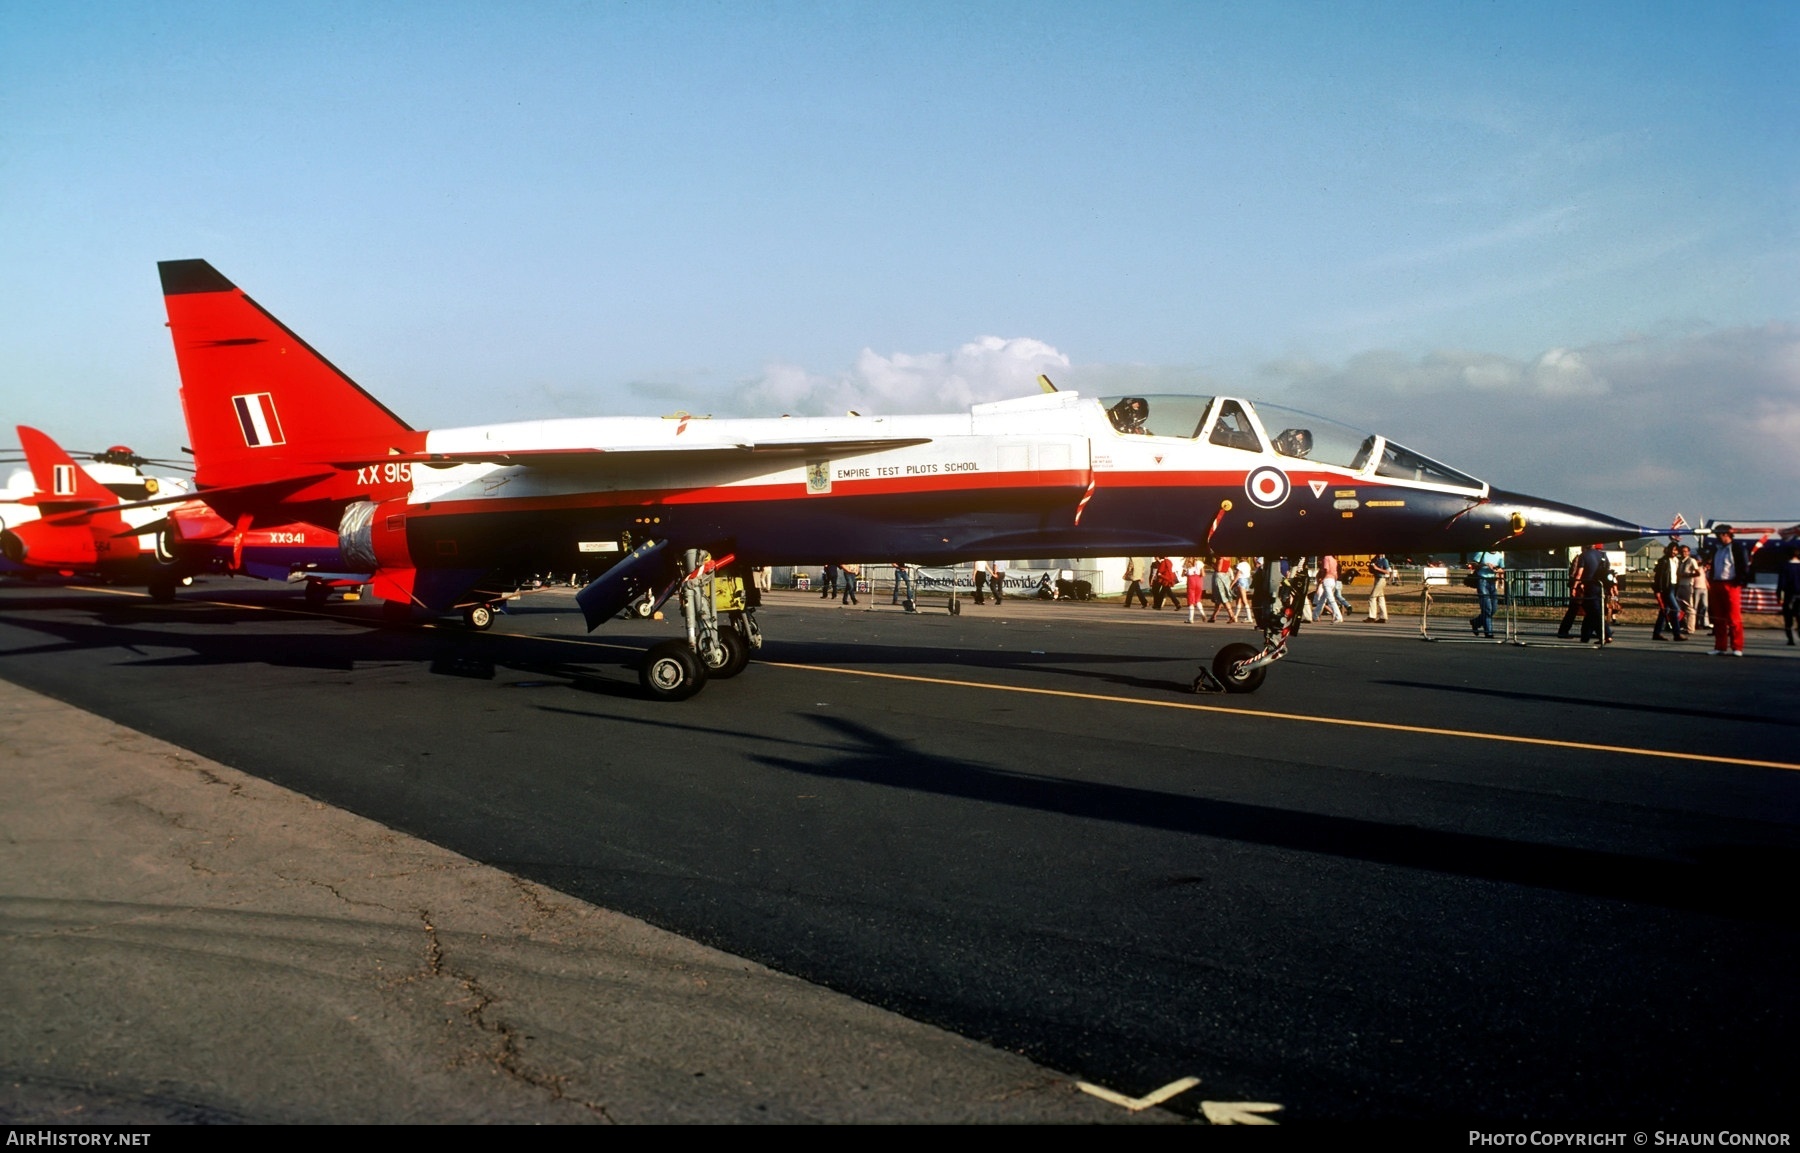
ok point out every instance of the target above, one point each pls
(102, 520)
(446, 517)
(93, 519)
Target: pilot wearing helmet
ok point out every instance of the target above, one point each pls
(1129, 415)
(1294, 442)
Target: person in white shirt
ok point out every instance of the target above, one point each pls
(1241, 594)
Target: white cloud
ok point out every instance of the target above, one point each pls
(1491, 373)
(1562, 372)
(989, 368)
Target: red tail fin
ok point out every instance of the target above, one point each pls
(67, 537)
(261, 405)
(62, 485)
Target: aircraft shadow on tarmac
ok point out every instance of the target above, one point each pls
(1658, 708)
(1729, 880)
(215, 633)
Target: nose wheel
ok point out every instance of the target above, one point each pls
(1228, 671)
(1240, 668)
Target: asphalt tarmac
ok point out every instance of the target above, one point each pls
(1450, 880)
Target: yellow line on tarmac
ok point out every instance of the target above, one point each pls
(112, 592)
(1344, 722)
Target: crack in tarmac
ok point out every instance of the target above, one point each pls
(510, 1058)
(534, 898)
(336, 892)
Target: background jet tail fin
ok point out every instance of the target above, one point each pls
(56, 476)
(262, 404)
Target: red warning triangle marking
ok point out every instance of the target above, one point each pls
(1318, 487)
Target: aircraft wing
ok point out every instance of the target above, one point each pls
(631, 458)
(626, 459)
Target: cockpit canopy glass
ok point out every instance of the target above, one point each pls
(1405, 464)
(1307, 437)
(1157, 415)
(1292, 433)
(1233, 429)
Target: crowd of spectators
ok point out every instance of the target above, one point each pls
(1693, 589)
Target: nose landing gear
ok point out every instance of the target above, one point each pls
(1240, 668)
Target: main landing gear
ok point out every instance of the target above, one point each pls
(672, 671)
(1240, 668)
(721, 631)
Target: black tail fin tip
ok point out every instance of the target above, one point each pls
(180, 277)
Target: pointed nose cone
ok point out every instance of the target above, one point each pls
(1547, 524)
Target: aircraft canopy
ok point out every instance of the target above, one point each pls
(1285, 431)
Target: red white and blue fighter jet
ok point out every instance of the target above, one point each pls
(445, 518)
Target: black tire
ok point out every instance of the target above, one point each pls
(479, 617)
(1245, 682)
(317, 592)
(956, 608)
(643, 606)
(730, 658)
(671, 672)
(162, 589)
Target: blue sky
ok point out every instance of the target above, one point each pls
(1552, 244)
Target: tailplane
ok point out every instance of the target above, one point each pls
(262, 406)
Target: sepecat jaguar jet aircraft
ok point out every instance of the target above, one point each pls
(445, 519)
